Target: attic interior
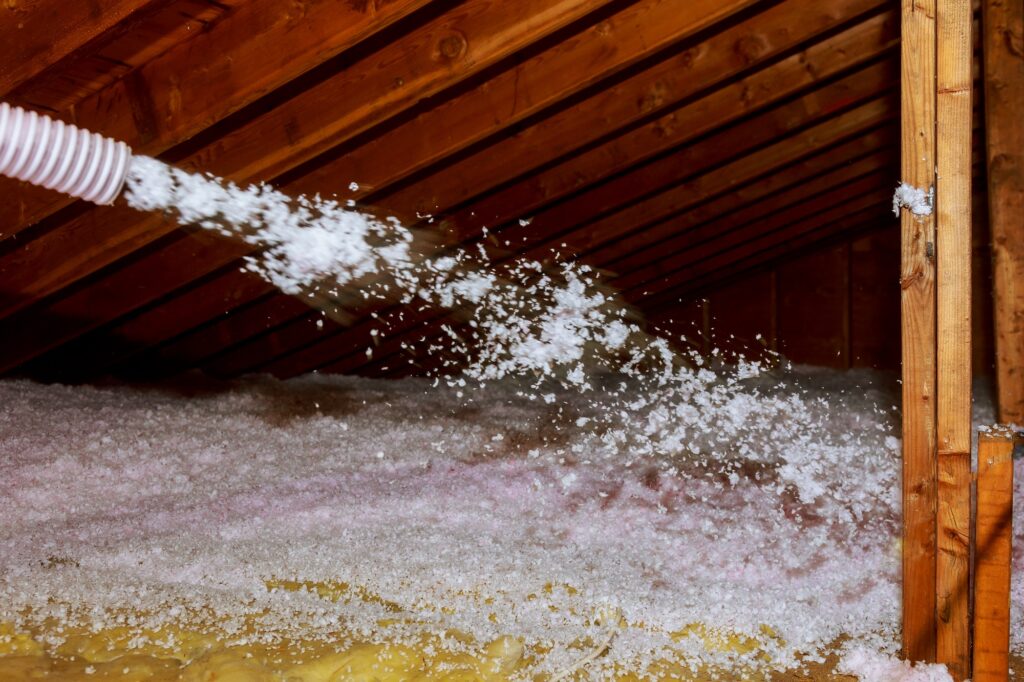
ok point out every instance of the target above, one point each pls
(727, 167)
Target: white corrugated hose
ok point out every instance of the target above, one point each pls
(62, 157)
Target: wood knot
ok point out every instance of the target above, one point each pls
(688, 57)
(452, 46)
(908, 281)
(750, 48)
(653, 99)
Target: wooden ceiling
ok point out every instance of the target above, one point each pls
(672, 143)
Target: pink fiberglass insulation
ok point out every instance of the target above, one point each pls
(172, 498)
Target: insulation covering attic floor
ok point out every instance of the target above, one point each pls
(331, 528)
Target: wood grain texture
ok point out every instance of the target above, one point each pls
(993, 556)
(260, 47)
(917, 284)
(954, 80)
(1003, 41)
(784, 151)
(31, 275)
(545, 79)
(381, 86)
(37, 34)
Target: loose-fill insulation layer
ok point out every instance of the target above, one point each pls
(491, 514)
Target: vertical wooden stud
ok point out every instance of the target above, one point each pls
(917, 300)
(953, 358)
(993, 556)
(1003, 41)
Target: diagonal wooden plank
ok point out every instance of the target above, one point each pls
(40, 33)
(728, 143)
(318, 354)
(528, 87)
(802, 177)
(769, 246)
(260, 47)
(862, 42)
(543, 233)
(684, 233)
(697, 261)
(783, 152)
(694, 245)
(382, 85)
(870, 220)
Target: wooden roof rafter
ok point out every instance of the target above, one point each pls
(627, 155)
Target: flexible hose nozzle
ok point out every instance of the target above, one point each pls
(59, 156)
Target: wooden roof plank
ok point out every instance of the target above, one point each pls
(721, 105)
(554, 75)
(681, 196)
(805, 178)
(260, 47)
(721, 236)
(382, 85)
(622, 39)
(870, 219)
(766, 246)
(780, 204)
(726, 53)
(40, 33)
(298, 364)
(873, 36)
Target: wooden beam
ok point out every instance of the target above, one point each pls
(587, 166)
(753, 239)
(953, 329)
(1003, 41)
(846, 124)
(547, 78)
(260, 47)
(39, 33)
(701, 244)
(860, 43)
(917, 282)
(774, 248)
(686, 236)
(447, 187)
(42, 280)
(606, 212)
(993, 556)
(832, 159)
